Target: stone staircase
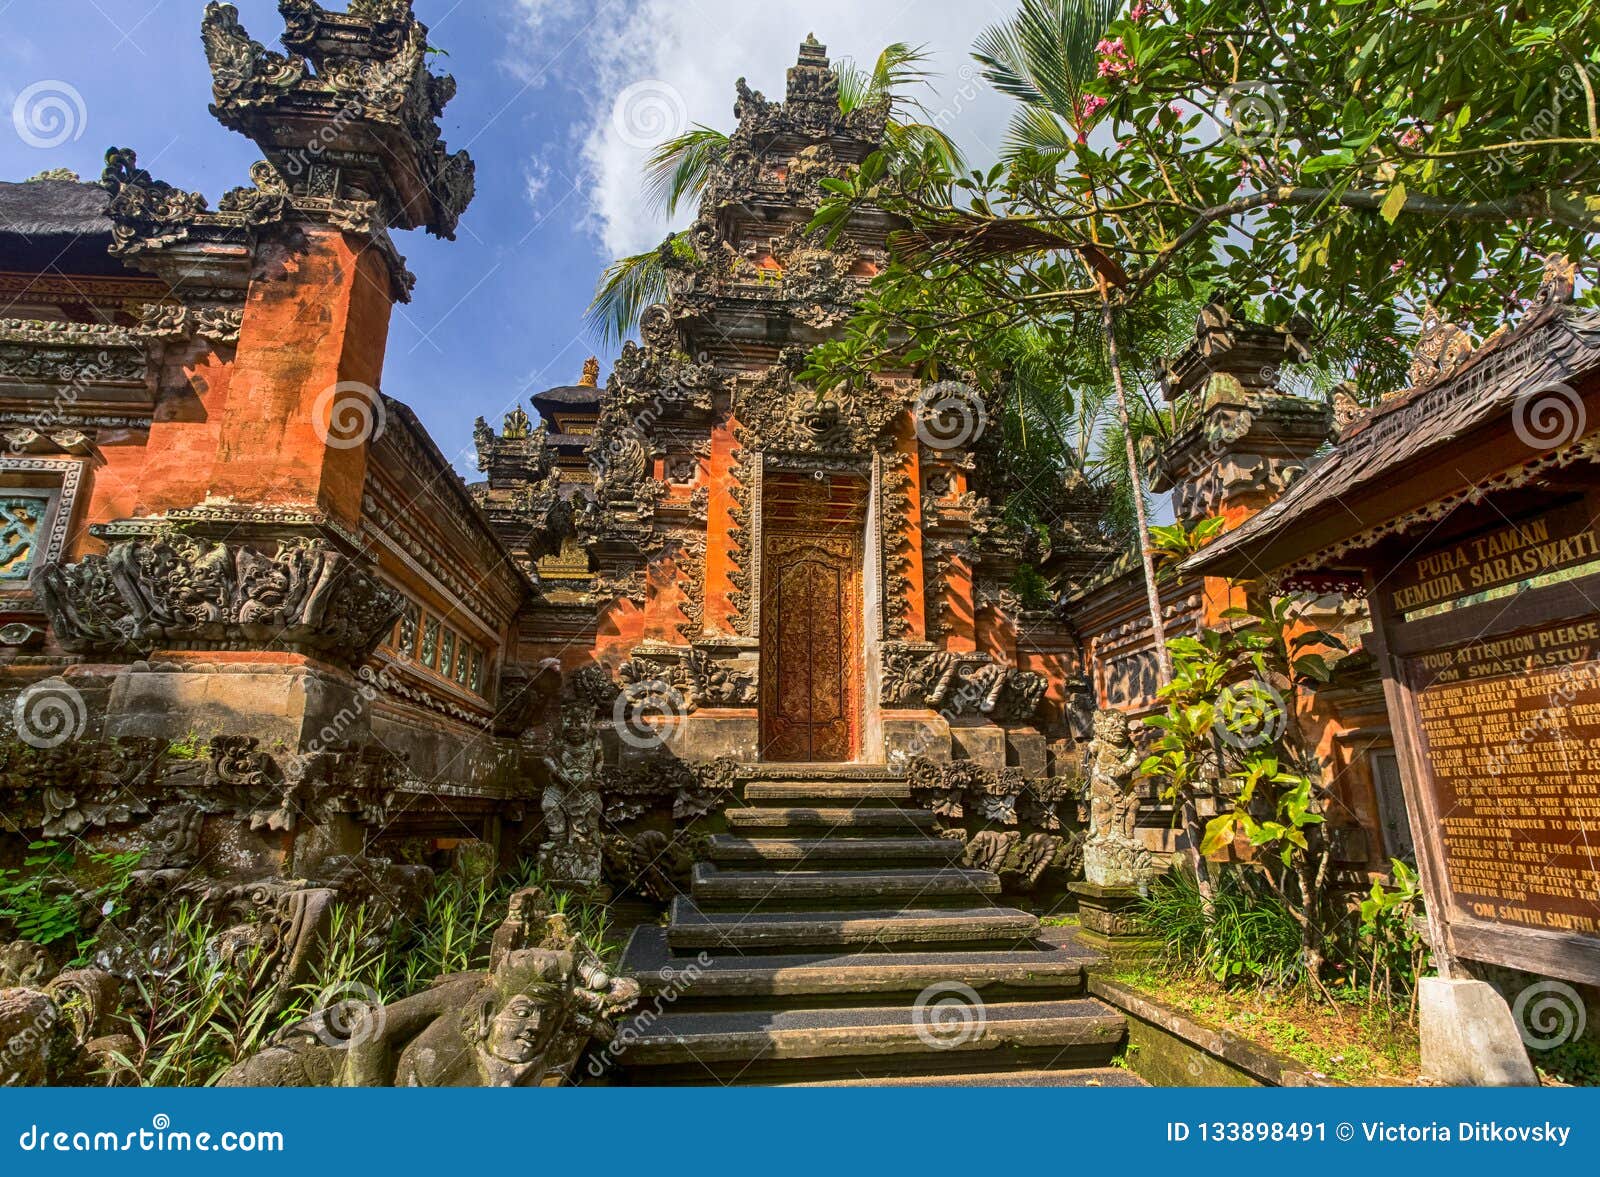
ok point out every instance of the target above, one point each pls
(834, 938)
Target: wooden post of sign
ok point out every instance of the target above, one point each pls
(1430, 867)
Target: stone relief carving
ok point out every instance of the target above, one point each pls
(1113, 855)
(571, 803)
(919, 676)
(86, 354)
(522, 1023)
(179, 589)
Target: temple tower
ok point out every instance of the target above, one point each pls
(762, 548)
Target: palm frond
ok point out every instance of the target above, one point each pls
(899, 68)
(627, 286)
(677, 170)
(1038, 131)
(1045, 55)
(923, 140)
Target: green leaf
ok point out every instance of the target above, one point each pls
(1393, 202)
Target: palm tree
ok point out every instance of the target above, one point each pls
(677, 172)
(1045, 57)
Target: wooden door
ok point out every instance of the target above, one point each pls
(811, 666)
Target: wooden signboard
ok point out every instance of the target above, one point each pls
(1495, 674)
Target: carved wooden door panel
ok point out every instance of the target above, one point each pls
(811, 668)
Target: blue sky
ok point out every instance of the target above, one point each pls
(545, 88)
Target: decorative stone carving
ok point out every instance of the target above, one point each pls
(167, 321)
(916, 678)
(178, 590)
(523, 1024)
(80, 354)
(650, 863)
(1113, 855)
(718, 684)
(777, 414)
(571, 803)
(144, 211)
(364, 72)
(1441, 349)
(81, 785)
(1558, 283)
(967, 684)
(1023, 860)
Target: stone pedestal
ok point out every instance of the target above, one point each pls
(1469, 1038)
(982, 743)
(1109, 921)
(913, 735)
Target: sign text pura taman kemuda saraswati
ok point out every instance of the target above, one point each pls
(1506, 718)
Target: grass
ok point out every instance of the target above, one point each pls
(1343, 1040)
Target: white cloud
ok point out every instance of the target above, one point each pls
(683, 56)
(535, 179)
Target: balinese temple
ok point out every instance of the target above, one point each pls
(807, 573)
(698, 625)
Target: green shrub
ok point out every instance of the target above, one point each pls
(1247, 936)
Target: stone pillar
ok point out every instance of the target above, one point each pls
(1249, 440)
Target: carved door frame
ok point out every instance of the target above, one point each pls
(843, 544)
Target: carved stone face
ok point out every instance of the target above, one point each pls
(516, 1033)
(1112, 728)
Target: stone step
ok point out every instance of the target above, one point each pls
(690, 928)
(880, 1041)
(827, 792)
(719, 889)
(833, 851)
(856, 978)
(835, 820)
(817, 772)
(1079, 1077)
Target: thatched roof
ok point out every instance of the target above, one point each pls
(54, 208)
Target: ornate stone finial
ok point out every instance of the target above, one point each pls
(1557, 285)
(1441, 348)
(1233, 358)
(517, 426)
(811, 82)
(358, 78)
(591, 373)
(144, 211)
